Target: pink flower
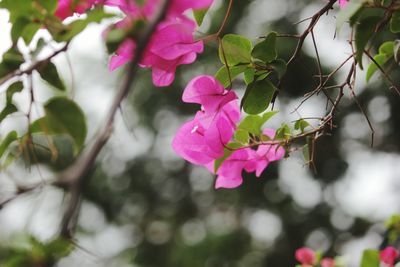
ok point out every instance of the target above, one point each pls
(306, 256)
(343, 3)
(230, 171)
(67, 8)
(177, 7)
(389, 255)
(171, 45)
(327, 262)
(202, 140)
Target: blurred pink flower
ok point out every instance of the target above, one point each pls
(67, 8)
(306, 256)
(327, 262)
(343, 3)
(389, 255)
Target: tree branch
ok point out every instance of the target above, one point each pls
(76, 176)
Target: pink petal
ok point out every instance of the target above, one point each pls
(389, 255)
(123, 54)
(305, 256)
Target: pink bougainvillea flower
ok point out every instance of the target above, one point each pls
(67, 8)
(123, 54)
(306, 256)
(328, 262)
(202, 140)
(343, 3)
(208, 92)
(170, 46)
(176, 8)
(230, 171)
(389, 255)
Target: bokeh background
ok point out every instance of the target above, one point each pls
(147, 207)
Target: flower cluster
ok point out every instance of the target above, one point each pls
(171, 45)
(308, 258)
(388, 256)
(66, 8)
(203, 139)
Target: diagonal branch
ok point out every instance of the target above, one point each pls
(76, 176)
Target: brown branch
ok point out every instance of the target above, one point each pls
(35, 66)
(77, 175)
(314, 19)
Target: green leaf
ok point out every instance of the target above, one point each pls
(249, 74)
(17, 27)
(29, 32)
(387, 48)
(370, 258)
(12, 89)
(63, 116)
(279, 66)
(49, 5)
(395, 22)
(77, 26)
(283, 132)
(236, 48)
(222, 74)
(364, 31)
(345, 14)
(258, 96)
(17, 8)
(266, 49)
(50, 74)
(199, 15)
(301, 125)
(12, 59)
(381, 59)
(242, 136)
(11, 137)
(254, 123)
(9, 109)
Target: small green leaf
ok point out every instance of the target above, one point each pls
(254, 123)
(283, 132)
(50, 74)
(29, 32)
(63, 116)
(199, 15)
(278, 66)
(387, 48)
(236, 48)
(222, 74)
(9, 109)
(258, 96)
(249, 74)
(49, 5)
(266, 49)
(242, 136)
(12, 89)
(370, 258)
(395, 22)
(301, 125)
(10, 137)
(364, 31)
(381, 59)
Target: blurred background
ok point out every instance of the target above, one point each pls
(147, 207)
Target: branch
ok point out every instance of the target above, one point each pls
(35, 66)
(76, 176)
(314, 19)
